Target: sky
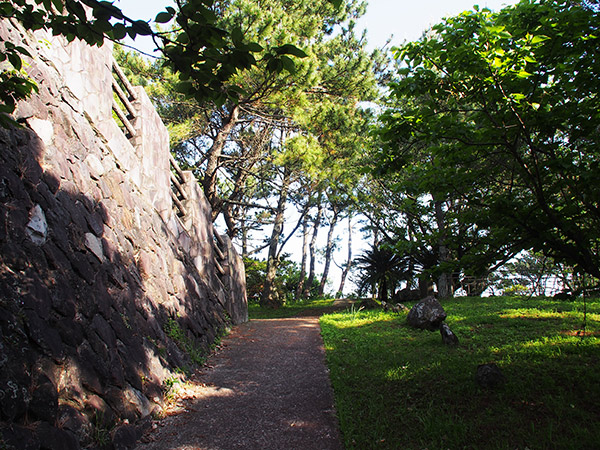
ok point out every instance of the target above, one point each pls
(405, 20)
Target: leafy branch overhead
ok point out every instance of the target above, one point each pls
(204, 55)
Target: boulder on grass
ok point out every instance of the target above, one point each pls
(407, 295)
(489, 376)
(427, 314)
(368, 303)
(448, 337)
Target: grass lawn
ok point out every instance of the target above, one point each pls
(401, 388)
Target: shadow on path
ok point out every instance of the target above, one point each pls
(268, 388)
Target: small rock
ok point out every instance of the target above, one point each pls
(37, 228)
(489, 376)
(399, 307)
(448, 337)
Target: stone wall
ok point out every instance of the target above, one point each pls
(105, 292)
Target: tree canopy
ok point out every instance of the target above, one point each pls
(495, 115)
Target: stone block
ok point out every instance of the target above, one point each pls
(83, 267)
(72, 419)
(35, 296)
(44, 400)
(94, 245)
(124, 437)
(44, 335)
(104, 331)
(19, 437)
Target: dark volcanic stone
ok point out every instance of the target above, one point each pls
(36, 296)
(19, 437)
(82, 266)
(52, 438)
(44, 335)
(104, 330)
(489, 376)
(124, 437)
(44, 400)
(14, 401)
(448, 337)
(428, 314)
(71, 419)
(56, 257)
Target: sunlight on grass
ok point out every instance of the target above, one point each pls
(397, 387)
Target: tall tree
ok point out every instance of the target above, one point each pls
(501, 104)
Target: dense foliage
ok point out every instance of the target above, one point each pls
(492, 131)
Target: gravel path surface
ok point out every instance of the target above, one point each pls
(268, 388)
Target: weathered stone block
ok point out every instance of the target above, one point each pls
(44, 400)
(19, 437)
(124, 437)
(104, 331)
(44, 335)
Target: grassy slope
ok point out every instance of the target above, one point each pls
(401, 388)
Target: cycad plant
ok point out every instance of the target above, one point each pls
(381, 268)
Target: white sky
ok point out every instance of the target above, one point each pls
(406, 20)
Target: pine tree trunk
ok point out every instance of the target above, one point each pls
(444, 282)
(301, 282)
(328, 251)
(313, 251)
(209, 183)
(269, 295)
(340, 291)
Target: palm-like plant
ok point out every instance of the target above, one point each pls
(379, 267)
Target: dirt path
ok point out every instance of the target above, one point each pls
(268, 388)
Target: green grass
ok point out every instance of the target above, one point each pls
(401, 388)
(309, 307)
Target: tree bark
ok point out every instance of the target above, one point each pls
(209, 183)
(269, 296)
(340, 291)
(301, 282)
(444, 282)
(313, 250)
(328, 251)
